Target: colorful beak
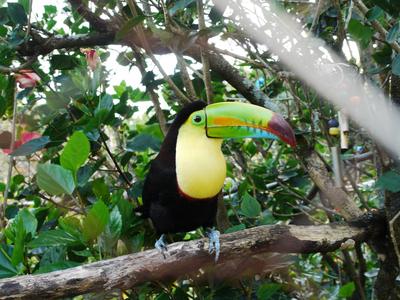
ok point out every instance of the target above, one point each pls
(242, 120)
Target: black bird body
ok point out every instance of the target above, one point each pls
(168, 208)
(181, 190)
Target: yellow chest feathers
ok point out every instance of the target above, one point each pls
(200, 164)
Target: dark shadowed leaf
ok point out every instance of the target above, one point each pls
(374, 13)
(4, 15)
(396, 65)
(6, 267)
(393, 33)
(142, 142)
(17, 13)
(180, 4)
(389, 181)
(63, 62)
(54, 179)
(250, 206)
(31, 147)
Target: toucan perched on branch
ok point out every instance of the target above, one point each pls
(181, 190)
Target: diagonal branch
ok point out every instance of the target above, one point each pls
(185, 258)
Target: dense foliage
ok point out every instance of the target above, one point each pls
(83, 146)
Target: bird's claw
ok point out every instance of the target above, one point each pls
(214, 246)
(161, 246)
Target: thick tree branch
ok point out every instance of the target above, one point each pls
(95, 21)
(188, 257)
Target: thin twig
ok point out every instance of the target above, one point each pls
(377, 26)
(10, 158)
(147, 48)
(28, 29)
(49, 199)
(203, 52)
(8, 70)
(187, 82)
(153, 95)
(123, 175)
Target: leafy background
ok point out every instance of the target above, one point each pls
(73, 191)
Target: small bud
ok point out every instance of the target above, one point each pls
(27, 79)
(92, 58)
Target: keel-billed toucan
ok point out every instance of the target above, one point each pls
(181, 189)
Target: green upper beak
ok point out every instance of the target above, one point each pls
(241, 120)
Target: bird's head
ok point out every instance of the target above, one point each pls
(199, 130)
(241, 120)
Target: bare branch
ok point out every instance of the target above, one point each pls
(203, 52)
(187, 258)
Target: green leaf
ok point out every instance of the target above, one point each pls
(31, 147)
(347, 290)
(126, 210)
(25, 5)
(96, 220)
(60, 265)
(51, 238)
(115, 224)
(112, 232)
(389, 181)
(29, 221)
(235, 228)
(17, 257)
(250, 206)
(125, 58)
(360, 32)
(128, 26)
(3, 106)
(393, 33)
(57, 100)
(17, 13)
(50, 9)
(25, 219)
(396, 65)
(100, 189)
(142, 142)
(54, 179)
(75, 152)
(63, 62)
(6, 267)
(53, 254)
(180, 4)
(104, 108)
(267, 290)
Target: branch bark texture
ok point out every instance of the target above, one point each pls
(186, 258)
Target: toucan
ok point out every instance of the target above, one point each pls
(180, 192)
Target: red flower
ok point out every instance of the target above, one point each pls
(25, 137)
(27, 79)
(92, 58)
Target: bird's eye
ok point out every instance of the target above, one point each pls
(197, 119)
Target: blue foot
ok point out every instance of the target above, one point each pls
(161, 245)
(213, 236)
